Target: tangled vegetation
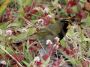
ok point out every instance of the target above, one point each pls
(44, 33)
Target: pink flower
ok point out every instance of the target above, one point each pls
(82, 14)
(9, 32)
(46, 56)
(41, 22)
(37, 61)
(57, 39)
(71, 3)
(85, 63)
(69, 51)
(47, 20)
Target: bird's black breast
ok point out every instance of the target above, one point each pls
(64, 29)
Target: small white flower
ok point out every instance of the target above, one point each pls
(57, 39)
(9, 32)
(3, 62)
(46, 10)
(41, 21)
(37, 58)
(48, 42)
(38, 8)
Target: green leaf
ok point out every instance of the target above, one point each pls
(75, 9)
(36, 15)
(63, 43)
(3, 26)
(63, 12)
(87, 21)
(74, 61)
(27, 2)
(9, 49)
(21, 11)
(2, 1)
(70, 32)
(31, 31)
(28, 56)
(24, 35)
(82, 1)
(16, 24)
(26, 63)
(87, 39)
(2, 52)
(19, 37)
(2, 38)
(20, 2)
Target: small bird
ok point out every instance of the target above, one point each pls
(64, 28)
(59, 29)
